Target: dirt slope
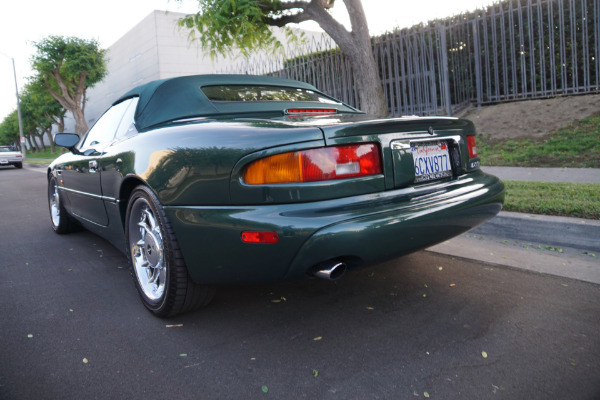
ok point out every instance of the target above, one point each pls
(532, 118)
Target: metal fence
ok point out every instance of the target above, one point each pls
(516, 49)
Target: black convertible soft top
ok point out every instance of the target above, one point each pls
(181, 97)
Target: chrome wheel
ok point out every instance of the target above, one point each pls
(156, 262)
(147, 251)
(54, 200)
(61, 221)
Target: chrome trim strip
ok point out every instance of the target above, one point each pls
(94, 196)
(405, 144)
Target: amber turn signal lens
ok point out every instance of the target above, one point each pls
(322, 164)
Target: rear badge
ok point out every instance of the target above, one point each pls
(430, 130)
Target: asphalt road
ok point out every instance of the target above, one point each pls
(426, 325)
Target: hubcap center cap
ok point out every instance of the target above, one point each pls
(153, 250)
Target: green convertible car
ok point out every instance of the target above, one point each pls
(235, 179)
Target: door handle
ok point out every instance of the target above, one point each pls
(93, 165)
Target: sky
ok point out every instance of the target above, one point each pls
(25, 22)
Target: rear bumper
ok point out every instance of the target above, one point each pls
(10, 161)
(358, 230)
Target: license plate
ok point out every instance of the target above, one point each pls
(432, 161)
(3, 161)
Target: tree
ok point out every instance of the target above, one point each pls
(67, 67)
(9, 129)
(223, 25)
(46, 109)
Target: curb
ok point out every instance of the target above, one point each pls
(34, 165)
(577, 233)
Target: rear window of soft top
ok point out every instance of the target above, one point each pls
(243, 93)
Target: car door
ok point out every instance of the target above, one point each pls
(82, 176)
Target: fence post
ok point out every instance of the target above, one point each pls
(444, 73)
(477, 55)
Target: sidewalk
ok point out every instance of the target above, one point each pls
(562, 246)
(578, 175)
(576, 233)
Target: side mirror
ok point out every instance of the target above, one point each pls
(68, 140)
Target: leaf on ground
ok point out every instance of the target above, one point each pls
(85, 361)
(370, 308)
(315, 373)
(424, 294)
(440, 268)
(183, 355)
(276, 301)
(30, 336)
(318, 338)
(265, 389)
(452, 284)
(174, 326)
(426, 395)
(483, 354)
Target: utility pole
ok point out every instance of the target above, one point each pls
(22, 138)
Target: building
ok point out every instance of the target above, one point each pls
(154, 49)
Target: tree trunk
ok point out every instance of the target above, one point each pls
(80, 123)
(41, 146)
(61, 124)
(32, 144)
(370, 89)
(50, 139)
(356, 45)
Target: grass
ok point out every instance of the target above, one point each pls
(576, 145)
(554, 198)
(43, 155)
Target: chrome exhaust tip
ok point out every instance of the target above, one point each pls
(331, 271)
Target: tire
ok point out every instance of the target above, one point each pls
(157, 265)
(19, 165)
(61, 221)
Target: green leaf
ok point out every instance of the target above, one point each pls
(315, 373)
(265, 389)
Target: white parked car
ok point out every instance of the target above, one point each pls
(10, 156)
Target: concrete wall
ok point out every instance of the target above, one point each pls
(154, 49)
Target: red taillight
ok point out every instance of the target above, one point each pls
(322, 164)
(260, 237)
(472, 146)
(297, 111)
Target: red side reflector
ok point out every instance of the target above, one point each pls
(311, 111)
(472, 146)
(260, 237)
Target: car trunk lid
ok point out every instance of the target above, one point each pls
(413, 149)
